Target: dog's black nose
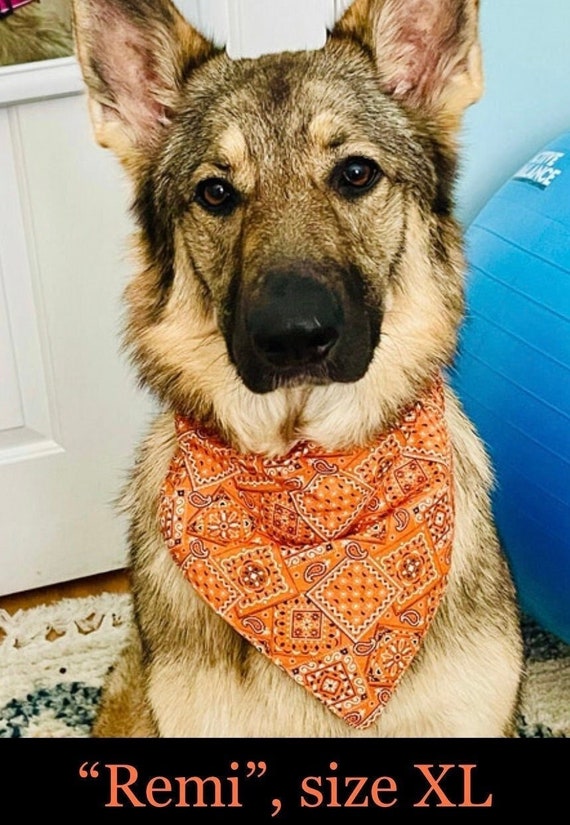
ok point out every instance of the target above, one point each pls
(294, 321)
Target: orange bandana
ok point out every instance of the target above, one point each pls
(331, 563)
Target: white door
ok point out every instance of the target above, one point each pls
(70, 411)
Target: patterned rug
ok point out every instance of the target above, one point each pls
(53, 660)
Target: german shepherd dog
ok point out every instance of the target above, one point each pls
(299, 281)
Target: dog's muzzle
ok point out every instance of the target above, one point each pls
(302, 324)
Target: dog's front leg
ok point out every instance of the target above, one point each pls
(123, 709)
(193, 661)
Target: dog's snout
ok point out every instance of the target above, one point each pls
(301, 323)
(294, 321)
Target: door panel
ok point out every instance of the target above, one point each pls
(70, 411)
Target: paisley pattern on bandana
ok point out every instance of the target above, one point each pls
(332, 564)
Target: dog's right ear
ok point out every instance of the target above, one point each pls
(134, 56)
(427, 52)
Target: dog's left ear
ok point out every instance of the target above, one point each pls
(427, 51)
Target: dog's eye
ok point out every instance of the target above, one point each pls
(216, 195)
(355, 176)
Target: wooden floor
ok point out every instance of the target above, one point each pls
(115, 582)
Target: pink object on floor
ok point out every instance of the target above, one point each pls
(9, 6)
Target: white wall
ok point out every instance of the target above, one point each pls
(249, 28)
(526, 104)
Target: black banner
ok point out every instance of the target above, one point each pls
(286, 780)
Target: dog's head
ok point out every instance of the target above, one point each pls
(294, 211)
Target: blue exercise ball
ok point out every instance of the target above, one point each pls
(512, 373)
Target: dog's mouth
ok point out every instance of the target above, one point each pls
(302, 324)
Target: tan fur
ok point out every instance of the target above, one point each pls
(40, 31)
(276, 129)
